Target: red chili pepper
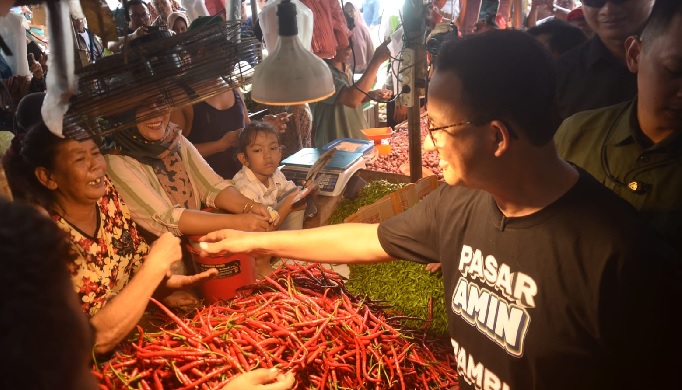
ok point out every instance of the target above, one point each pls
(157, 382)
(340, 333)
(145, 385)
(175, 318)
(315, 354)
(206, 378)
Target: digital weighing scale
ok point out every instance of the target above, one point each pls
(333, 178)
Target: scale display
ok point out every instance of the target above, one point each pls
(333, 178)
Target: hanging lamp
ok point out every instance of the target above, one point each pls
(290, 74)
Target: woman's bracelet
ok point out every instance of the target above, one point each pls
(248, 206)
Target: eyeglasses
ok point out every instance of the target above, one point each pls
(137, 16)
(433, 129)
(601, 3)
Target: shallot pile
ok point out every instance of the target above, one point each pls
(399, 156)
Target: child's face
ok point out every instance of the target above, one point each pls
(263, 155)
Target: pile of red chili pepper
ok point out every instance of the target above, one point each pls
(302, 319)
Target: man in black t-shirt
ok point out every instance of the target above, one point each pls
(551, 280)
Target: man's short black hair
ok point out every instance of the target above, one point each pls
(563, 36)
(131, 3)
(660, 19)
(506, 75)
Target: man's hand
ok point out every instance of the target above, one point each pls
(139, 33)
(262, 379)
(222, 241)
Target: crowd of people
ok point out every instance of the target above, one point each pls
(557, 234)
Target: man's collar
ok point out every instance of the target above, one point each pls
(626, 129)
(597, 52)
(625, 125)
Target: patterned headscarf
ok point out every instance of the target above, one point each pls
(163, 156)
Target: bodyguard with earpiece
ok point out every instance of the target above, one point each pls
(635, 148)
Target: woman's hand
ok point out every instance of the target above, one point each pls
(181, 299)
(262, 379)
(182, 281)
(380, 95)
(261, 209)
(251, 222)
(279, 121)
(381, 54)
(165, 251)
(230, 139)
(36, 68)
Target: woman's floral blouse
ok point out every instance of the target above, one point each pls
(105, 263)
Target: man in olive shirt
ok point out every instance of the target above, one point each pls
(635, 148)
(594, 74)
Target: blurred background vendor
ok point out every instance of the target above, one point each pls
(340, 115)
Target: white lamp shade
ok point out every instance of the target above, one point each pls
(291, 75)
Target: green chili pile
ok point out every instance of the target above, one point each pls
(383, 281)
(301, 319)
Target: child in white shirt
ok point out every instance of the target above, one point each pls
(260, 178)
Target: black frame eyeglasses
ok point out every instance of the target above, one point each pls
(601, 3)
(442, 128)
(432, 129)
(139, 16)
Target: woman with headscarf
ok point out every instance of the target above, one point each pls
(167, 183)
(178, 22)
(113, 270)
(362, 45)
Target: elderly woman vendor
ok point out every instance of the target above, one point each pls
(166, 182)
(115, 272)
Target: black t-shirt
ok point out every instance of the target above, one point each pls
(571, 297)
(210, 124)
(590, 77)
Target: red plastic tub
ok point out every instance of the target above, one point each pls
(234, 271)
